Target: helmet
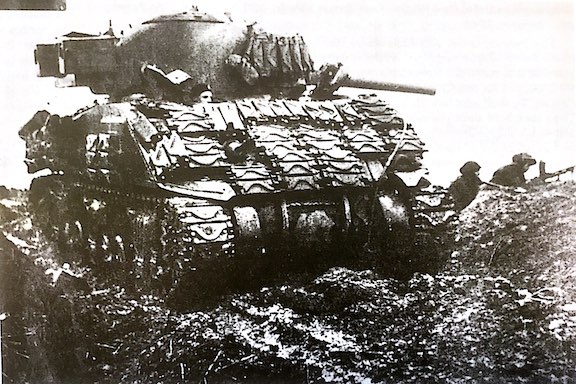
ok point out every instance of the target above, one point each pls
(470, 167)
(199, 89)
(523, 158)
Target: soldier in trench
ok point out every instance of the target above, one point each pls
(512, 175)
(465, 188)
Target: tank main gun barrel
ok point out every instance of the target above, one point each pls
(330, 77)
(355, 82)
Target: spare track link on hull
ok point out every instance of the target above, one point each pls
(291, 145)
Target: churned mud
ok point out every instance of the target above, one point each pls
(498, 306)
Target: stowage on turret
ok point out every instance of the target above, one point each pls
(220, 143)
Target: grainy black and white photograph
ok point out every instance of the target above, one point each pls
(287, 191)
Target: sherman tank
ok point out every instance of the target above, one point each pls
(221, 150)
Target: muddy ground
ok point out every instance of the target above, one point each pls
(499, 306)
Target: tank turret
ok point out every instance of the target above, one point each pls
(168, 182)
(168, 55)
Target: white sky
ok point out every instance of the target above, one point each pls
(504, 70)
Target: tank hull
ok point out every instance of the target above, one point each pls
(254, 185)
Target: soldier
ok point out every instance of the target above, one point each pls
(512, 175)
(464, 189)
(201, 93)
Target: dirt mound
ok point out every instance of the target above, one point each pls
(503, 309)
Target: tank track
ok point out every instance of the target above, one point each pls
(162, 241)
(154, 238)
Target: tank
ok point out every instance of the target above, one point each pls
(222, 152)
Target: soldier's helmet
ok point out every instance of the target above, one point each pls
(470, 167)
(524, 159)
(202, 92)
